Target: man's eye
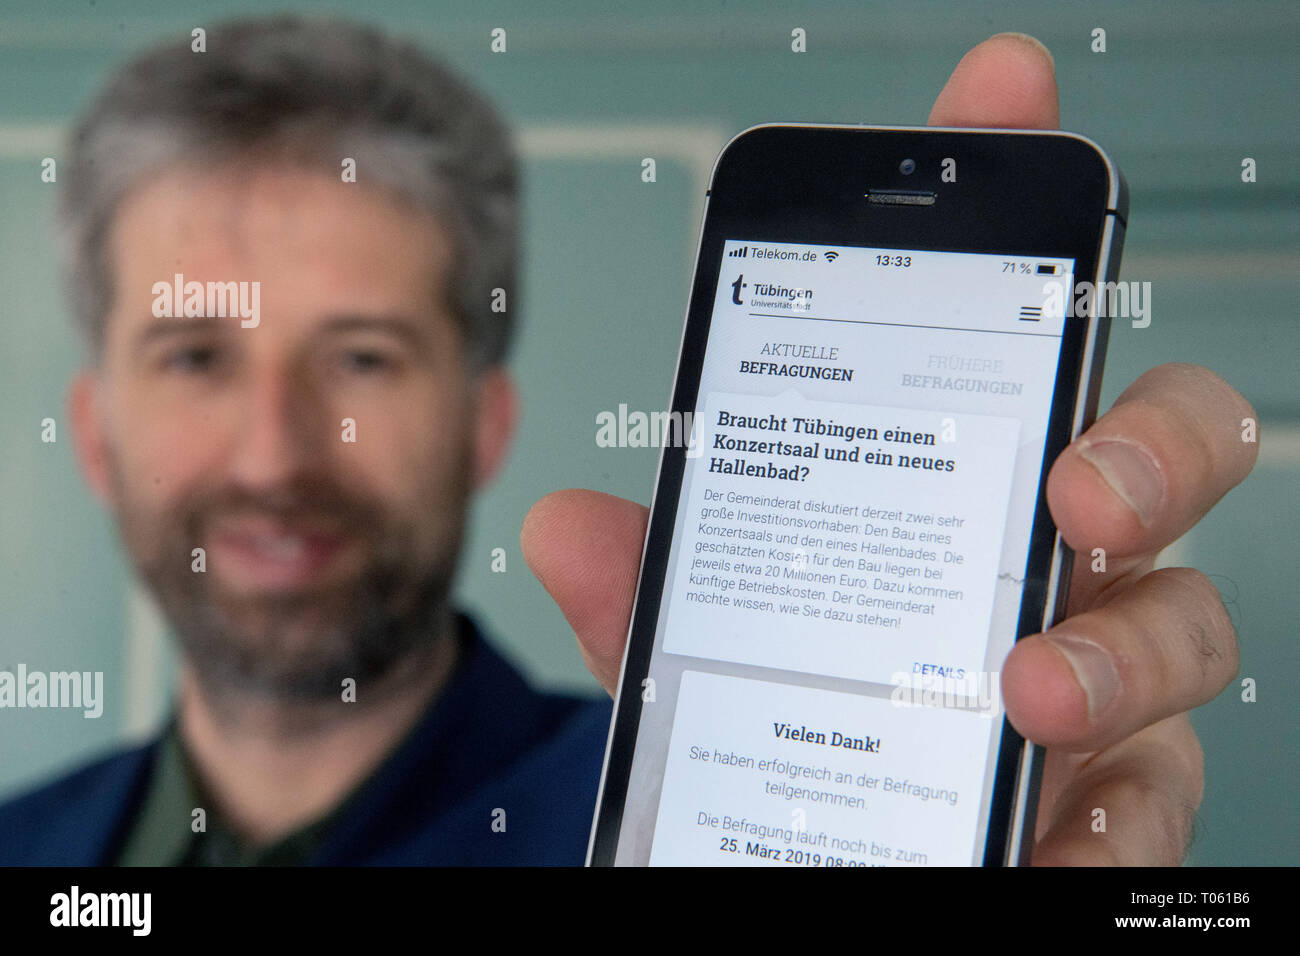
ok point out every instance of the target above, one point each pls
(366, 362)
(192, 359)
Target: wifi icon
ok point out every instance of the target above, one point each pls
(831, 256)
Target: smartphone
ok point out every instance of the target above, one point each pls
(890, 338)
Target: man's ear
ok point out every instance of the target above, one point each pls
(89, 434)
(495, 418)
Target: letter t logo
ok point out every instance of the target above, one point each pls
(736, 287)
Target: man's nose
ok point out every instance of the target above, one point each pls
(280, 428)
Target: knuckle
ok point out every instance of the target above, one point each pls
(1167, 820)
(1185, 747)
(1216, 397)
(1188, 803)
(1206, 627)
(1153, 791)
(1188, 407)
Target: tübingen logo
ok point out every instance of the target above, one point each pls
(736, 287)
(768, 294)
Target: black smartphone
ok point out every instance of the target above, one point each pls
(892, 333)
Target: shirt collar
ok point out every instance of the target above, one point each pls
(164, 832)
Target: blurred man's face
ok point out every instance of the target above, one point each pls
(325, 558)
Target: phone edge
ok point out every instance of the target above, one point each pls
(1024, 807)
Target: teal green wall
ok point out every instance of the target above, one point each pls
(1183, 94)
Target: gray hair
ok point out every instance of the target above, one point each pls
(313, 91)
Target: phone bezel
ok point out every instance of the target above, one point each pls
(1017, 192)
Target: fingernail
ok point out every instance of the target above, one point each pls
(1031, 40)
(1093, 667)
(1131, 473)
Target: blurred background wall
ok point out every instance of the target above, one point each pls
(1183, 93)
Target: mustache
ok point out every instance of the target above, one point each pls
(315, 504)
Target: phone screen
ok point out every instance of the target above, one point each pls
(847, 564)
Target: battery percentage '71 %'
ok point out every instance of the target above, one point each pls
(1029, 268)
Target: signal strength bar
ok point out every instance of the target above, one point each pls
(740, 253)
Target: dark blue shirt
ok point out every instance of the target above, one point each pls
(489, 749)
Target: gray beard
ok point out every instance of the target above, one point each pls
(299, 648)
(366, 639)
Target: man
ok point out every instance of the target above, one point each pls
(328, 560)
(291, 470)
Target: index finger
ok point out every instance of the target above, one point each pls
(1169, 448)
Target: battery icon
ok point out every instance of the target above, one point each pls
(1048, 269)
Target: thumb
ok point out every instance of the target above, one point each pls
(1008, 81)
(585, 548)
